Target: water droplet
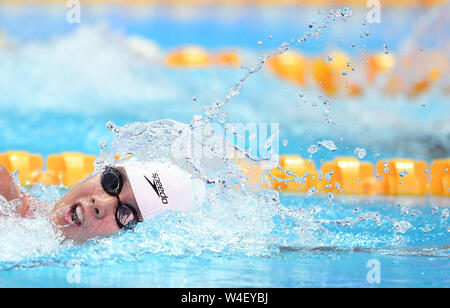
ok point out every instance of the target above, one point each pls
(235, 90)
(360, 152)
(329, 144)
(402, 226)
(445, 214)
(285, 142)
(404, 211)
(312, 149)
(312, 190)
(403, 173)
(427, 228)
(112, 127)
(434, 209)
(415, 213)
(197, 117)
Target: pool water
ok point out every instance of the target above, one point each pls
(342, 256)
(289, 269)
(51, 78)
(62, 83)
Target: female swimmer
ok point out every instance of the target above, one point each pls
(117, 198)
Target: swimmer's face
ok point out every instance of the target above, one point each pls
(88, 211)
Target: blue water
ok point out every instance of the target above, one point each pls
(341, 261)
(62, 83)
(52, 78)
(291, 269)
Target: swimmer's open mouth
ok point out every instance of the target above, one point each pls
(75, 215)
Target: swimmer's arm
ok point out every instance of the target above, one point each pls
(10, 191)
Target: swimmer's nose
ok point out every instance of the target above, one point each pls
(104, 205)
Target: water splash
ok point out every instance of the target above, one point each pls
(213, 110)
(230, 221)
(28, 239)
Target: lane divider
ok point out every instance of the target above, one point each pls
(347, 175)
(197, 57)
(27, 164)
(67, 168)
(440, 177)
(297, 174)
(344, 175)
(71, 168)
(332, 72)
(291, 66)
(403, 176)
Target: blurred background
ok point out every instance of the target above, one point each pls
(375, 83)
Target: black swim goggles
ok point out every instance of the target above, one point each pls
(112, 182)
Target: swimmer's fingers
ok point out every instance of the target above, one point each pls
(7, 187)
(10, 191)
(3, 172)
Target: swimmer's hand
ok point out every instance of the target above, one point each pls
(10, 191)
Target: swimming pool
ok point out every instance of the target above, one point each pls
(62, 83)
(339, 257)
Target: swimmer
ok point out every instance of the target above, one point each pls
(117, 198)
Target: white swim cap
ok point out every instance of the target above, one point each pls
(158, 187)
